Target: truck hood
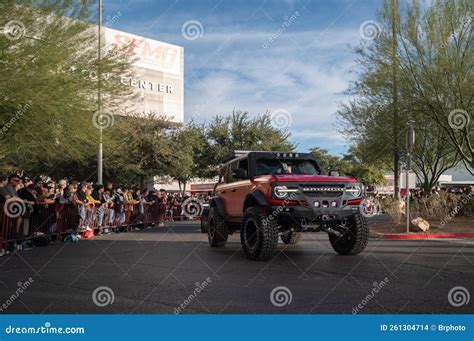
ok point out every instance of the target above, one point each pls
(312, 178)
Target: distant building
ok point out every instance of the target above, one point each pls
(388, 187)
(159, 69)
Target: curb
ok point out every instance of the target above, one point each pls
(419, 236)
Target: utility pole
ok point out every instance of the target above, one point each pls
(99, 100)
(410, 143)
(396, 152)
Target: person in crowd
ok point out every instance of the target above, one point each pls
(79, 199)
(109, 207)
(162, 200)
(3, 183)
(119, 208)
(135, 194)
(29, 197)
(63, 193)
(173, 202)
(46, 197)
(152, 197)
(9, 192)
(98, 195)
(89, 204)
(110, 187)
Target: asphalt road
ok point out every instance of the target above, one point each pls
(156, 271)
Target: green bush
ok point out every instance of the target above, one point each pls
(435, 207)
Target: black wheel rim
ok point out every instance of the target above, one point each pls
(211, 230)
(251, 235)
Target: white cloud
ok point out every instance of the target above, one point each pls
(247, 77)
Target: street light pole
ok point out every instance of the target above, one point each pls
(396, 152)
(410, 143)
(99, 100)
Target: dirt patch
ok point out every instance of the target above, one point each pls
(458, 224)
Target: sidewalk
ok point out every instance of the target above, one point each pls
(462, 227)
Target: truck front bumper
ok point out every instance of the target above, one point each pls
(301, 217)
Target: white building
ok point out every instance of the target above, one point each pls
(159, 69)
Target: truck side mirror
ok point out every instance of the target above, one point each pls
(239, 173)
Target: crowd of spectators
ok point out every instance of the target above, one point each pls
(98, 206)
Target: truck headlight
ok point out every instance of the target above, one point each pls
(355, 190)
(282, 192)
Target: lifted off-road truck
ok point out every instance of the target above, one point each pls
(267, 195)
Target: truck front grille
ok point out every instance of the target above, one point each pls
(323, 190)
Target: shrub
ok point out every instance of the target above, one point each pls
(435, 207)
(394, 208)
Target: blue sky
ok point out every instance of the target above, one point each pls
(300, 75)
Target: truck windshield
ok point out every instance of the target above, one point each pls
(286, 166)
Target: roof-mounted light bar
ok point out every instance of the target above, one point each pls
(287, 155)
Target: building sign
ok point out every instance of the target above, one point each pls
(149, 54)
(158, 74)
(147, 85)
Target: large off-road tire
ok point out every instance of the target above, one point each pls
(217, 229)
(292, 237)
(204, 228)
(258, 234)
(354, 238)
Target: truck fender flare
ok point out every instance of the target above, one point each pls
(256, 198)
(217, 202)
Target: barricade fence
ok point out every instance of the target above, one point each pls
(53, 220)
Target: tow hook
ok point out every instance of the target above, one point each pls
(332, 231)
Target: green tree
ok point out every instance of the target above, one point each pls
(436, 53)
(138, 147)
(422, 63)
(48, 86)
(188, 144)
(240, 132)
(369, 174)
(327, 161)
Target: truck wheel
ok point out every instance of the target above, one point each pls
(355, 238)
(258, 235)
(204, 228)
(217, 229)
(292, 237)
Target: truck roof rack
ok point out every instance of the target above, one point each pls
(242, 153)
